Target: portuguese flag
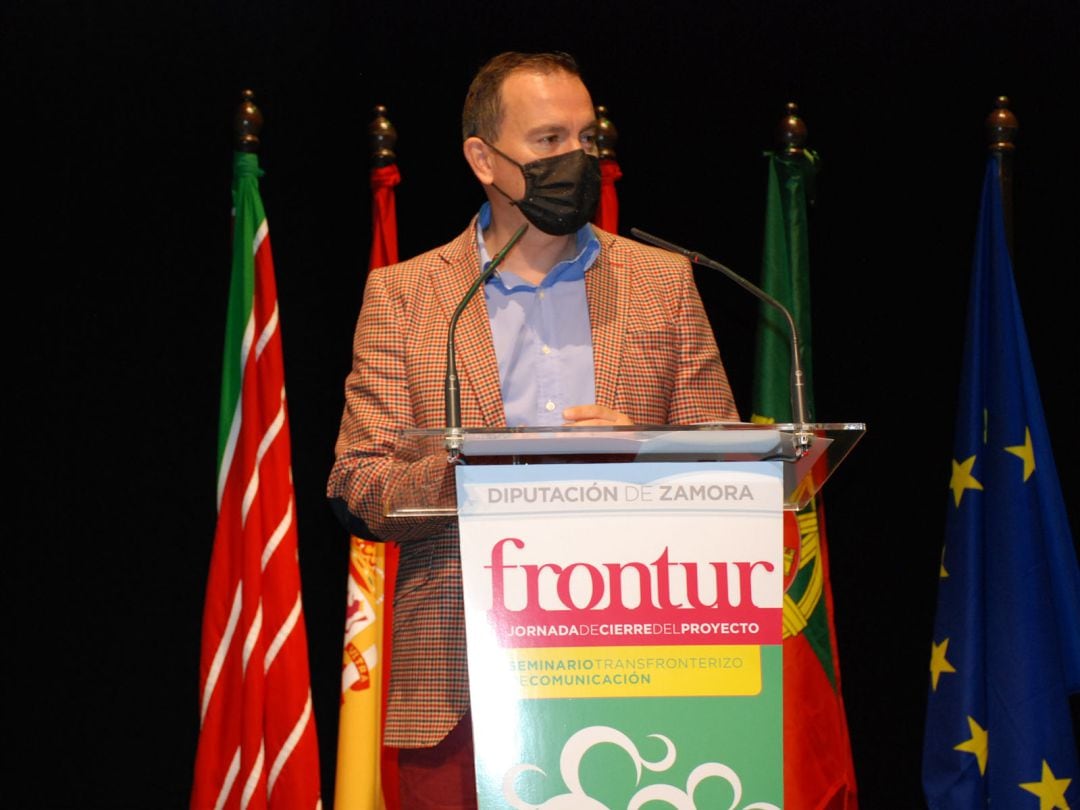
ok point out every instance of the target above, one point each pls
(818, 768)
(257, 743)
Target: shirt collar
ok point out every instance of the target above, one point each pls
(587, 247)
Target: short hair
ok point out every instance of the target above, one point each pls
(482, 114)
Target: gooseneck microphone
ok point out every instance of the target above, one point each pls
(455, 436)
(798, 384)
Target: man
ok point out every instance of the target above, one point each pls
(579, 327)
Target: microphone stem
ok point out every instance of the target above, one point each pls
(455, 437)
(798, 382)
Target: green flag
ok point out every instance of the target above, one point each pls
(785, 275)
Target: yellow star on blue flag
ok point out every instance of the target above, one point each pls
(1025, 452)
(978, 744)
(939, 663)
(1049, 789)
(962, 478)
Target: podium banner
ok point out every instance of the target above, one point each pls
(624, 627)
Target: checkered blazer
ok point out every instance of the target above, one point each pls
(656, 361)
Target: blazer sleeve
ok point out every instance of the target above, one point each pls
(369, 471)
(669, 369)
(701, 392)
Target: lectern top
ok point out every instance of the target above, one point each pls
(807, 464)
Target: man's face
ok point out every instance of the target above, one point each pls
(542, 115)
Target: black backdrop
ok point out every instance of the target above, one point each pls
(118, 273)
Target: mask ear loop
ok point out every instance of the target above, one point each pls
(511, 199)
(521, 168)
(500, 153)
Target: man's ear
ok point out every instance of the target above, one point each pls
(479, 158)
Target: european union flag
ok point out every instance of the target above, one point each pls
(1006, 646)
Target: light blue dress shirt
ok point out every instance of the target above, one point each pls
(543, 342)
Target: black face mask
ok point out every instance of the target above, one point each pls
(561, 192)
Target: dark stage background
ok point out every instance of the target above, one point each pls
(118, 273)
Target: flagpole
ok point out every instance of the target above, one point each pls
(1001, 129)
(607, 211)
(248, 123)
(607, 136)
(791, 132)
(383, 138)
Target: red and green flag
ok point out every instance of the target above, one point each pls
(818, 768)
(257, 743)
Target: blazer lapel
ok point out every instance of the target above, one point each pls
(603, 287)
(478, 369)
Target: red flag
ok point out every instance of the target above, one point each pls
(367, 776)
(819, 773)
(607, 210)
(257, 742)
(384, 215)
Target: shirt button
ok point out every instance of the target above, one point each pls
(545, 349)
(550, 405)
(541, 295)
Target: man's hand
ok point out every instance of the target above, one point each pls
(578, 415)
